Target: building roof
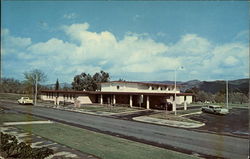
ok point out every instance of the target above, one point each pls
(118, 93)
(143, 83)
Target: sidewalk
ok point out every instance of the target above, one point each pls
(173, 123)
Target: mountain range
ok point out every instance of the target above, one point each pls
(240, 85)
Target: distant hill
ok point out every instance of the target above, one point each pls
(240, 85)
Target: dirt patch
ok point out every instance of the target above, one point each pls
(235, 123)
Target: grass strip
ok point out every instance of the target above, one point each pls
(12, 117)
(112, 109)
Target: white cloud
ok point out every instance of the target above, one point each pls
(12, 41)
(242, 36)
(136, 17)
(70, 16)
(161, 34)
(52, 47)
(19, 42)
(231, 61)
(191, 44)
(132, 55)
(13, 44)
(43, 25)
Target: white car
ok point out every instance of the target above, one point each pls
(214, 109)
(25, 100)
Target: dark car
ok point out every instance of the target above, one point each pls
(164, 106)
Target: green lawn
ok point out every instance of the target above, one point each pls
(16, 117)
(112, 109)
(101, 145)
(12, 96)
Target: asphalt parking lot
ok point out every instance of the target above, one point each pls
(234, 123)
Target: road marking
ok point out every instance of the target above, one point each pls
(27, 122)
(63, 153)
(41, 143)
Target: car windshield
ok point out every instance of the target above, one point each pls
(25, 98)
(217, 107)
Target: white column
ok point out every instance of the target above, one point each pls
(185, 105)
(174, 104)
(130, 100)
(114, 101)
(55, 101)
(101, 99)
(185, 102)
(147, 102)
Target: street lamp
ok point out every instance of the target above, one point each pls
(35, 89)
(227, 92)
(174, 106)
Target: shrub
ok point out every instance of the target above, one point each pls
(11, 148)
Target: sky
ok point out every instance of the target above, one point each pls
(134, 41)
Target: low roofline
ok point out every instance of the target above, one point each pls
(143, 83)
(118, 93)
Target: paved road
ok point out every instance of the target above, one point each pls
(203, 143)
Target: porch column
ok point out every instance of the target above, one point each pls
(130, 100)
(174, 104)
(147, 102)
(101, 99)
(114, 101)
(55, 101)
(185, 102)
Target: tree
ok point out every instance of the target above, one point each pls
(57, 86)
(30, 80)
(11, 85)
(237, 97)
(89, 83)
(121, 80)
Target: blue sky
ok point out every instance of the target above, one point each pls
(138, 41)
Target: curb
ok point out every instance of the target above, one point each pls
(171, 123)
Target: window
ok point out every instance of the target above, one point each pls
(118, 87)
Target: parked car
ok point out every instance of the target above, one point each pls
(25, 100)
(164, 106)
(214, 109)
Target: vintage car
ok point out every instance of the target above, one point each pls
(164, 106)
(25, 100)
(214, 109)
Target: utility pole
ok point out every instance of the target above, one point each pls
(227, 92)
(175, 92)
(35, 89)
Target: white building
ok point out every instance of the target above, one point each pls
(148, 95)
